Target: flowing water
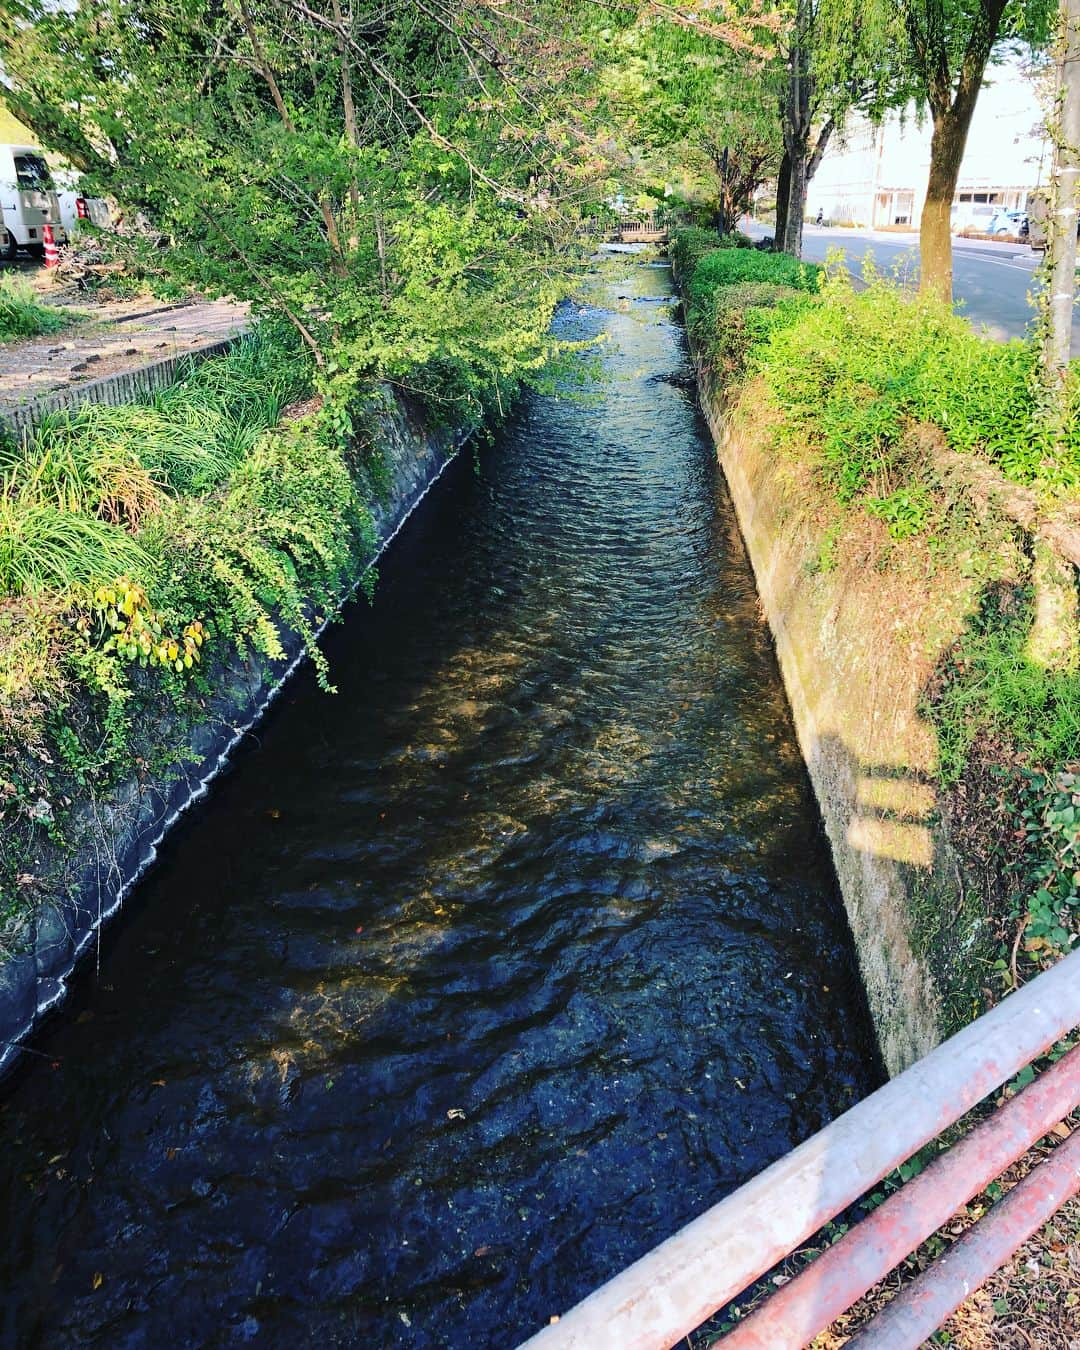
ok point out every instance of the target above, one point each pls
(475, 981)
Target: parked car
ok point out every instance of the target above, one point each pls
(1009, 222)
(28, 200)
(1038, 207)
(76, 208)
(966, 216)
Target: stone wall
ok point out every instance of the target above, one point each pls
(855, 663)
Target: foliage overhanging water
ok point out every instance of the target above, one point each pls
(479, 979)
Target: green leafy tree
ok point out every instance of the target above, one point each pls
(766, 81)
(947, 47)
(702, 108)
(835, 58)
(402, 185)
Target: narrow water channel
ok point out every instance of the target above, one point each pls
(475, 981)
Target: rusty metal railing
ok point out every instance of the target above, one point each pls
(680, 1284)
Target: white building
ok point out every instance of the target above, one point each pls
(876, 175)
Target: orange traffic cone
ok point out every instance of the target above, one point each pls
(52, 251)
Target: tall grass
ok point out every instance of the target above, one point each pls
(45, 548)
(20, 314)
(94, 472)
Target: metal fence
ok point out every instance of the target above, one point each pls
(674, 1289)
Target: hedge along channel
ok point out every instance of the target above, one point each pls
(914, 533)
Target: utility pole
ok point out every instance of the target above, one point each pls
(1062, 216)
(1055, 628)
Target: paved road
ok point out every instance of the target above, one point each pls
(990, 281)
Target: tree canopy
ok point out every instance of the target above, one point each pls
(401, 182)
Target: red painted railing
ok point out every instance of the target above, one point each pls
(680, 1284)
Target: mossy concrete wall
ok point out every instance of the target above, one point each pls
(857, 646)
(120, 833)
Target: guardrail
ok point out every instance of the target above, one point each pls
(676, 1287)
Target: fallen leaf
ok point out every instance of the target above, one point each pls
(98, 1280)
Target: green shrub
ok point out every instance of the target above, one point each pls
(852, 374)
(285, 536)
(730, 266)
(727, 324)
(688, 246)
(21, 316)
(691, 243)
(1048, 868)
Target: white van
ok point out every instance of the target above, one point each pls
(28, 199)
(77, 210)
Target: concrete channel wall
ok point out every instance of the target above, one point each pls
(121, 833)
(856, 698)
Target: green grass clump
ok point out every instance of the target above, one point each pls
(77, 500)
(21, 316)
(94, 472)
(45, 547)
(995, 688)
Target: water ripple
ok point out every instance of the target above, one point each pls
(477, 980)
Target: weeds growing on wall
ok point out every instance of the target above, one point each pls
(139, 547)
(867, 388)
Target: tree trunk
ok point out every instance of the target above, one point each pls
(796, 116)
(935, 235)
(952, 121)
(796, 202)
(783, 191)
(1061, 217)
